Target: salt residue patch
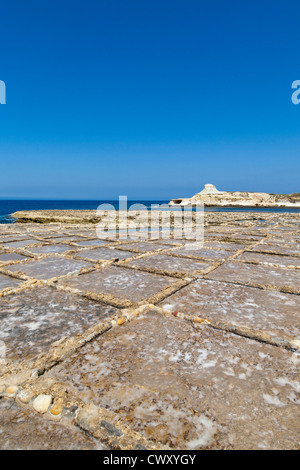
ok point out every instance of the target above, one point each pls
(206, 429)
(272, 400)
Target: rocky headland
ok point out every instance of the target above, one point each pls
(211, 196)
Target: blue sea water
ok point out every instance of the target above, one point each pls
(7, 207)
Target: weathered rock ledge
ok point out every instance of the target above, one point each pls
(143, 218)
(57, 216)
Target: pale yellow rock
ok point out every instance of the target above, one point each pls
(200, 320)
(57, 408)
(11, 390)
(295, 344)
(121, 321)
(41, 403)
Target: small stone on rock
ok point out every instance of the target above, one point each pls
(41, 403)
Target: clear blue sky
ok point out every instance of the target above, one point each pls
(148, 98)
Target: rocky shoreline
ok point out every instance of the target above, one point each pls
(144, 217)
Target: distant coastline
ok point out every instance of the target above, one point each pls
(210, 196)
